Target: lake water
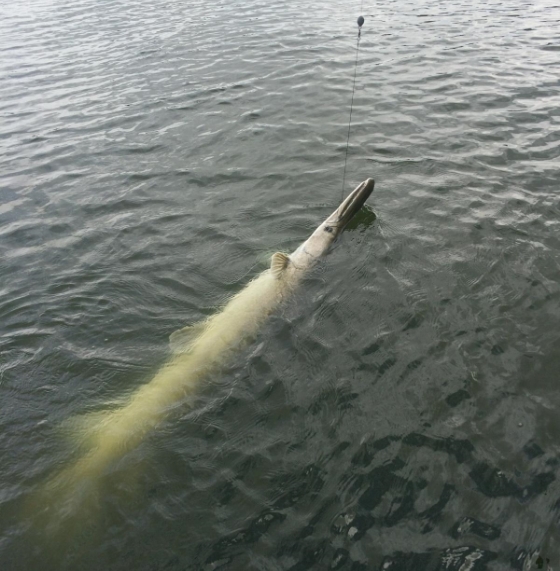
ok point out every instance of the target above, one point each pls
(401, 410)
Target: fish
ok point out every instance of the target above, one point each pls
(198, 352)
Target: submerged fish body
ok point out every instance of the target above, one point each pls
(199, 351)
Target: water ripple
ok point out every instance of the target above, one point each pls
(401, 410)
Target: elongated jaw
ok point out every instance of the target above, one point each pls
(351, 205)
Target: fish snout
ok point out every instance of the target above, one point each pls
(352, 203)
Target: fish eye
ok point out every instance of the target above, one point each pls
(328, 229)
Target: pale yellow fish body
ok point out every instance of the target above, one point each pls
(207, 346)
(211, 344)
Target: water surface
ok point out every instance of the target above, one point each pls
(401, 411)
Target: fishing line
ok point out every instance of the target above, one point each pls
(360, 24)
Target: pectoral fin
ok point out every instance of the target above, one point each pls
(180, 340)
(278, 264)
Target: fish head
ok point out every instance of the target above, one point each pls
(327, 232)
(350, 206)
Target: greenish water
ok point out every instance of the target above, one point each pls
(401, 410)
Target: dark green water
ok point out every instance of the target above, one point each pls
(401, 412)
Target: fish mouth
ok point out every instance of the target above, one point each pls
(352, 203)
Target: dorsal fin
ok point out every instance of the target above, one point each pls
(278, 264)
(180, 340)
